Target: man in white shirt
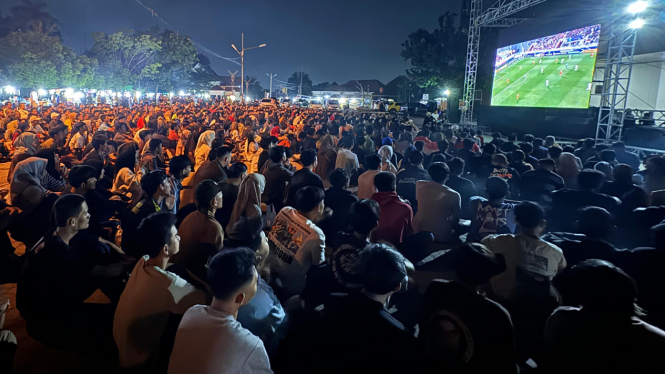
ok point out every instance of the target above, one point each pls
(525, 253)
(346, 159)
(296, 242)
(366, 187)
(210, 340)
(152, 294)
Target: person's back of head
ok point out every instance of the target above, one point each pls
(67, 211)
(529, 215)
(382, 269)
(365, 216)
(152, 181)
(608, 155)
(568, 149)
(372, 161)
(347, 142)
(456, 166)
(496, 188)
(236, 170)
(601, 288)
(474, 264)
(339, 178)
(489, 149)
(549, 140)
(232, 276)
(308, 198)
(512, 137)
(528, 138)
(265, 143)
(80, 174)
(619, 146)
(420, 145)
(155, 144)
(538, 142)
(443, 145)
(499, 160)
(623, 174)
(590, 179)
(405, 137)
(439, 172)
(178, 165)
(468, 144)
(157, 234)
(527, 148)
(385, 181)
(589, 142)
(518, 156)
(308, 157)
(595, 223)
(554, 151)
(547, 164)
(98, 141)
(277, 154)
(416, 158)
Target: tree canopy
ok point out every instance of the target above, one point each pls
(306, 83)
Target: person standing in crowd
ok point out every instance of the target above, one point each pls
(346, 159)
(366, 186)
(409, 176)
(510, 145)
(278, 174)
(152, 296)
(202, 236)
(304, 177)
(386, 153)
(237, 172)
(340, 201)
(625, 157)
(396, 215)
(440, 207)
(214, 170)
(210, 340)
(296, 242)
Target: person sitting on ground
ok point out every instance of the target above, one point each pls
(278, 176)
(527, 148)
(263, 155)
(340, 200)
(440, 207)
(517, 162)
(623, 188)
(151, 296)
(554, 152)
(201, 235)
(526, 254)
(98, 151)
(356, 329)
(601, 330)
(500, 168)
(477, 320)
(466, 152)
(461, 185)
(210, 340)
(180, 167)
(539, 151)
(587, 150)
(296, 242)
(305, 176)
(237, 172)
(492, 215)
(55, 274)
(538, 185)
(596, 158)
(396, 215)
(409, 176)
(482, 160)
(510, 145)
(567, 203)
(366, 186)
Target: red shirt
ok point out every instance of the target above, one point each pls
(395, 219)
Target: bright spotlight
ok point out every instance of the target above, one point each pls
(232, 97)
(637, 7)
(10, 90)
(128, 94)
(181, 93)
(446, 92)
(342, 101)
(138, 94)
(41, 92)
(636, 24)
(78, 95)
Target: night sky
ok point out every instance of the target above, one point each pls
(334, 40)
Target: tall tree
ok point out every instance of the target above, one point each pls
(177, 57)
(127, 59)
(296, 79)
(28, 15)
(438, 57)
(254, 89)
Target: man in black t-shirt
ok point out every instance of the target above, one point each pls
(462, 186)
(409, 176)
(538, 185)
(500, 168)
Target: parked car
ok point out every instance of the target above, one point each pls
(395, 106)
(303, 103)
(316, 104)
(334, 104)
(415, 109)
(286, 103)
(269, 102)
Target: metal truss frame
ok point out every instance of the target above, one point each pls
(494, 16)
(616, 82)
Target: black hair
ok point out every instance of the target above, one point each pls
(416, 157)
(589, 142)
(518, 155)
(456, 166)
(307, 157)
(496, 188)
(80, 174)
(595, 222)
(308, 198)
(608, 155)
(439, 172)
(155, 143)
(230, 270)
(66, 207)
(339, 178)
(590, 179)
(372, 161)
(223, 151)
(547, 162)
(385, 181)
(527, 148)
(365, 216)
(154, 232)
(245, 233)
(265, 143)
(511, 138)
(144, 133)
(236, 169)
(529, 214)
(489, 149)
(178, 164)
(474, 264)
(151, 181)
(529, 138)
(554, 151)
(419, 145)
(382, 268)
(55, 131)
(276, 154)
(273, 139)
(347, 142)
(98, 141)
(468, 143)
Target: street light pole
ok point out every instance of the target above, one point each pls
(241, 52)
(271, 77)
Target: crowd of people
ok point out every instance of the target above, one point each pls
(231, 238)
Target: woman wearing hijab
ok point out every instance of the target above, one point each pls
(327, 157)
(568, 169)
(203, 147)
(53, 179)
(386, 153)
(26, 145)
(248, 203)
(126, 182)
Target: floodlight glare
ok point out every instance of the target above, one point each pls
(638, 7)
(446, 92)
(636, 24)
